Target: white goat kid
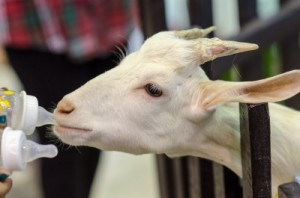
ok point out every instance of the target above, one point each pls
(158, 100)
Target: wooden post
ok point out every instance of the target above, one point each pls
(255, 150)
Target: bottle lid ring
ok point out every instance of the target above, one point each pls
(11, 149)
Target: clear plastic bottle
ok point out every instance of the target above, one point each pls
(19, 115)
(16, 151)
(22, 112)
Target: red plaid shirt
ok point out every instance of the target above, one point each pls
(80, 28)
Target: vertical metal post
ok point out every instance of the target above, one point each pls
(178, 178)
(164, 176)
(256, 152)
(194, 181)
(218, 175)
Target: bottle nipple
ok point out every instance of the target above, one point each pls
(16, 150)
(32, 151)
(44, 117)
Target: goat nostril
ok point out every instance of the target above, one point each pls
(65, 107)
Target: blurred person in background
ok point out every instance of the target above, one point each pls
(55, 46)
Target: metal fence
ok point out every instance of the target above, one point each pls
(190, 177)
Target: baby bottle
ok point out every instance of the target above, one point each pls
(19, 115)
(17, 151)
(22, 112)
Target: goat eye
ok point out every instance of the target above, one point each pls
(153, 90)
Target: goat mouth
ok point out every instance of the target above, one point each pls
(61, 129)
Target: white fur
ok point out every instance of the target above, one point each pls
(194, 116)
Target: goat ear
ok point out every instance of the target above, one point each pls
(210, 49)
(272, 89)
